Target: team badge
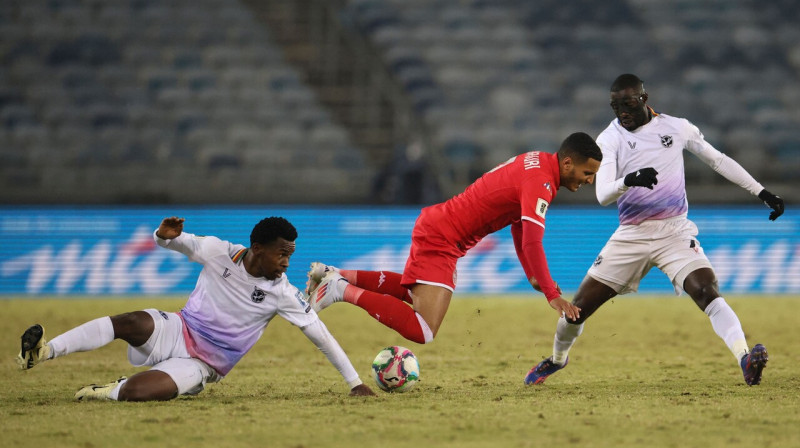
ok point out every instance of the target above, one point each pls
(541, 207)
(666, 141)
(547, 185)
(598, 260)
(258, 295)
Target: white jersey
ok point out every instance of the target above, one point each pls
(229, 309)
(658, 144)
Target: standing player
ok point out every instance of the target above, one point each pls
(642, 170)
(237, 294)
(518, 192)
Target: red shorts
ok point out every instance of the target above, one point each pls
(432, 260)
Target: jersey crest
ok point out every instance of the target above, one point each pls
(541, 207)
(258, 295)
(666, 140)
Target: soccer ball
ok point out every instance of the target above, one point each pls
(395, 369)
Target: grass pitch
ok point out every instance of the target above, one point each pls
(646, 372)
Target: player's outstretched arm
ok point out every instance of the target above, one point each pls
(565, 308)
(362, 390)
(774, 202)
(538, 287)
(170, 228)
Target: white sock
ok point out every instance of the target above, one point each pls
(89, 336)
(114, 394)
(426, 330)
(727, 326)
(566, 334)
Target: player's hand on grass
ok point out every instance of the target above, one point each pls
(362, 390)
(170, 228)
(565, 308)
(645, 177)
(774, 202)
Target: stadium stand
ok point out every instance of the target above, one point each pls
(139, 100)
(538, 70)
(106, 102)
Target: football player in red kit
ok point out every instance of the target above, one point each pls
(517, 193)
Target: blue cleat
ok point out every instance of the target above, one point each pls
(753, 363)
(538, 374)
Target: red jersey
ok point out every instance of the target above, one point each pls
(519, 190)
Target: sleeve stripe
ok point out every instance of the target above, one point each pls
(528, 218)
(238, 255)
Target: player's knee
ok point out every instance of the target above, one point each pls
(704, 295)
(134, 327)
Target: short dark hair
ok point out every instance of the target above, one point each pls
(627, 81)
(580, 147)
(270, 229)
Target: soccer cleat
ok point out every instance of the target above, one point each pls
(753, 363)
(34, 348)
(538, 374)
(98, 392)
(315, 274)
(329, 291)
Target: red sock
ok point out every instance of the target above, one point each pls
(387, 310)
(383, 282)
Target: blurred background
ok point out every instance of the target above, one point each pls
(368, 101)
(345, 116)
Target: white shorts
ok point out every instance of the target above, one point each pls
(668, 244)
(166, 351)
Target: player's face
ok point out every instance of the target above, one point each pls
(630, 107)
(574, 175)
(272, 259)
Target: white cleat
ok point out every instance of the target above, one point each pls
(330, 290)
(315, 275)
(97, 392)
(34, 348)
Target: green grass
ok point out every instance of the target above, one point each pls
(647, 372)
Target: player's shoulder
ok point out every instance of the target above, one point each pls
(609, 135)
(613, 129)
(677, 124)
(212, 245)
(234, 251)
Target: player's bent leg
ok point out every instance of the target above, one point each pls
(135, 327)
(701, 285)
(591, 295)
(152, 385)
(431, 303)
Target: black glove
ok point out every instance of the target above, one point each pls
(773, 202)
(645, 177)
